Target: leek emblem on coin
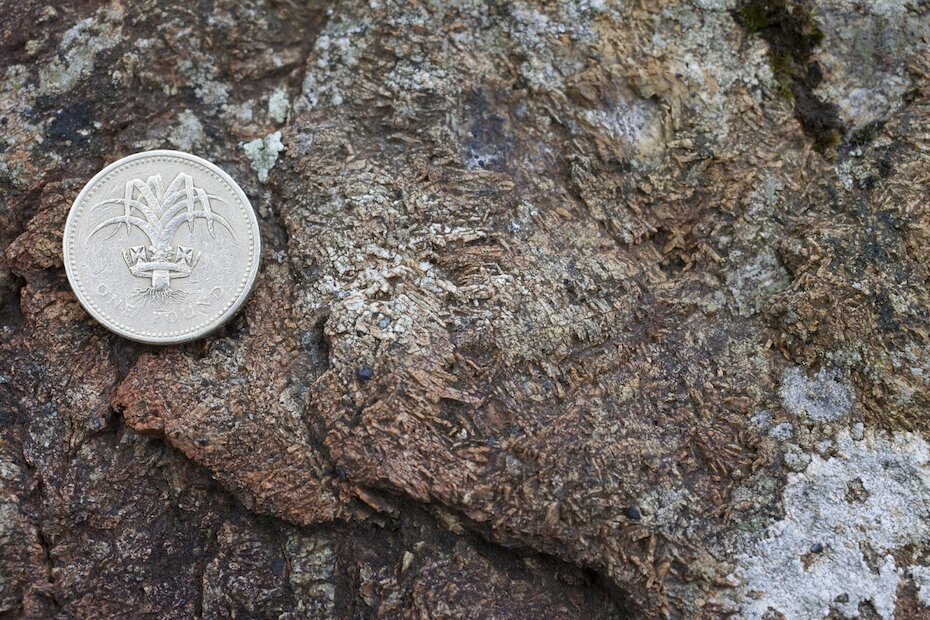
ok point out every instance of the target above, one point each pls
(158, 212)
(161, 247)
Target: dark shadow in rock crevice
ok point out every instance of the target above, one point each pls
(792, 35)
(440, 529)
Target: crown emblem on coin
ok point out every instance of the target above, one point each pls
(159, 212)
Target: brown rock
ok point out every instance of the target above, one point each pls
(551, 300)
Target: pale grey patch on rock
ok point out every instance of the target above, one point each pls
(239, 111)
(761, 420)
(278, 105)
(826, 397)
(716, 5)
(701, 59)
(188, 131)
(753, 282)
(312, 562)
(79, 47)
(864, 55)
(796, 459)
(634, 125)
(198, 67)
(778, 571)
(664, 508)
(263, 153)
(212, 92)
(782, 431)
(921, 577)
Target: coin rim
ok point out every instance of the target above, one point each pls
(204, 330)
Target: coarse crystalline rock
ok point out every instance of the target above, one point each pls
(576, 309)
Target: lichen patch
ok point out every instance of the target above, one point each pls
(832, 551)
(188, 132)
(921, 577)
(278, 105)
(79, 47)
(263, 153)
(826, 397)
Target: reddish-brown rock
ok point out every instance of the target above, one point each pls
(563, 307)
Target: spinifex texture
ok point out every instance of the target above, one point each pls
(568, 310)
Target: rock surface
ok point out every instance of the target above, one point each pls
(576, 309)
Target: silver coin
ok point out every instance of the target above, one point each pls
(161, 247)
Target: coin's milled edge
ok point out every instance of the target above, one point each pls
(246, 285)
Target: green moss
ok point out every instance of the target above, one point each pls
(752, 18)
(866, 134)
(791, 32)
(783, 68)
(789, 28)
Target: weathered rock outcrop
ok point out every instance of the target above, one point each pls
(573, 309)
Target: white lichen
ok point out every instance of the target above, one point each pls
(311, 562)
(761, 420)
(188, 131)
(782, 432)
(755, 279)
(199, 68)
(278, 105)
(79, 47)
(864, 55)
(696, 42)
(825, 398)
(921, 577)
(241, 112)
(212, 92)
(263, 153)
(336, 53)
(633, 125)
(844, 517)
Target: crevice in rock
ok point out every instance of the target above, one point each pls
(20, 208)
(124, 354)
(200, 570)
(50, 593)
(505, 555)
(11, 312)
